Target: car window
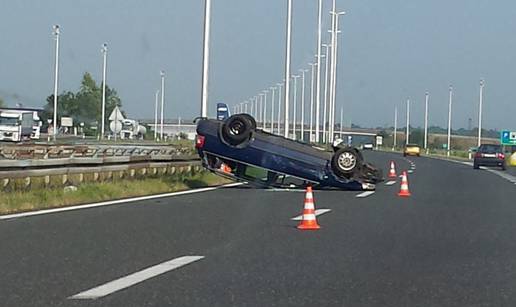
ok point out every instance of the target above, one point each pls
(490, 148)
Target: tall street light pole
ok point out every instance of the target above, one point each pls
(287, 65)
(273, 90)
(481, 98)
(318, 81)
(327, 56)
(426, 121)
(449, 121)
(162, 74)
(264, 116)
(279, 107)
(303, 71)
(56, 33)
(395, 127)
(104, 53)
(261, 109)
(295, 104)
(156, 96)
(334, 64)
(312, 65)
(205, 59)
(407, 133)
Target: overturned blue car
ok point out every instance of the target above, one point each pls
(237, 149)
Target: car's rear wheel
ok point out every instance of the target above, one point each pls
(345, 162)
(237, 129)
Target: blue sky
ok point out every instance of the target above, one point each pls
(390, 50)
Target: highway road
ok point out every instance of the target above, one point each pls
(453, 243)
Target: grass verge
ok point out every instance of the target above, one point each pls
(19, 201)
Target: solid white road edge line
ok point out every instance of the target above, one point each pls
(317, 212)
(135, 278)
(114, 202)
(365, 194)
(391, 182)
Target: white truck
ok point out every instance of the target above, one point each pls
(131, 129)
(16, 126)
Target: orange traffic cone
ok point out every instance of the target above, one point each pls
(404, 191)
(309, 221)
(392, 171)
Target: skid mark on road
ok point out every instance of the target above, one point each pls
(365, 194)
(317, 212)
(135, 278)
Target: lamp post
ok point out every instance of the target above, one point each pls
(279, 107)
(264, 116)
(395, 127)
(287, 67)
(407, 133)
(481, 98)
(327, 56)
(312, 65)
(426, 122)
(295, 104)
(205, 59)
(303, 71)
(318, 79)
(333, 84)
(449, 121)
(56, 33)
(104, 55)
(273, 90)
(156, 96)
(162, 74)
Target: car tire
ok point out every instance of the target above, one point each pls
(237, 129)
(345, 162)
(250, 118)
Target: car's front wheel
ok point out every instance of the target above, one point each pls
(237, 129)
(345, 162)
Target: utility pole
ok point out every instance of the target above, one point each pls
(156, 96)
(56, 79)
(273, 90)
(312, 65)
(325, 109)
(449, 121)
(287, 65)
(395, 127)
(303, 71)
(481, 98)
(265, 109)
(205, 59)
(104, 53)
(279, 107)
(162, 74)
(426, 122)
(318, 80)
(407, 134)
(295, 103)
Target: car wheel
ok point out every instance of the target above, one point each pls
(236, 130)
(251, 120)
(345, 162)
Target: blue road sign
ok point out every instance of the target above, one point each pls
(508, 137)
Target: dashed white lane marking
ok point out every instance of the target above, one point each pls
(390, 182)
(135, 278)
(410, 171)
(114, 202)
(285, 190)
(317, 212)
(365, 194)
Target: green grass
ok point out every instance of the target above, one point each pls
(11, 202)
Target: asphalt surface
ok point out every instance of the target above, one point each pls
(452, 243)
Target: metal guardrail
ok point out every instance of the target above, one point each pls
(41, 156)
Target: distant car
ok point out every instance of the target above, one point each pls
(489, 155)
(237, 149)
(368, 146)
(412, 150)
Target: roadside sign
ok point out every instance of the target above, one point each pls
(379, 140)
(67, 121)
(508, 137)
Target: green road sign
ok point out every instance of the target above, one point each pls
(508, 137)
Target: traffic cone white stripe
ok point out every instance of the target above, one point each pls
(309, 205)
(309, 217)
(309, 195)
